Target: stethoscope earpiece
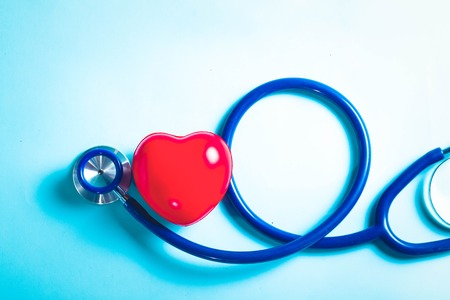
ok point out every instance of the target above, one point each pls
(99, 172)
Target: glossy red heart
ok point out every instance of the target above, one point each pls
(182, 178)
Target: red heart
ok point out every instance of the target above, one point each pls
(182, 178)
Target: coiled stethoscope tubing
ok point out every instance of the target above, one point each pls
(381, 227)
(300, 243)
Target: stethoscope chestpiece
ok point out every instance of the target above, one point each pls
(437, 194)
(100, 173)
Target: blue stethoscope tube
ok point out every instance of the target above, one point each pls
(300, 242)
(316, 237)
(381, 229)
(386, 199)
(323, 92)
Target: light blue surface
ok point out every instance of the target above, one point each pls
(78, 74)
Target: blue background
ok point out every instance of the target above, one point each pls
(76, 74)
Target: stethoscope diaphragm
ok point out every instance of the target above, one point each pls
(99, 172)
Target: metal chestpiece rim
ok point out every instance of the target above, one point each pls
(99, 172)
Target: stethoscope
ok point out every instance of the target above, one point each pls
(103, 175)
